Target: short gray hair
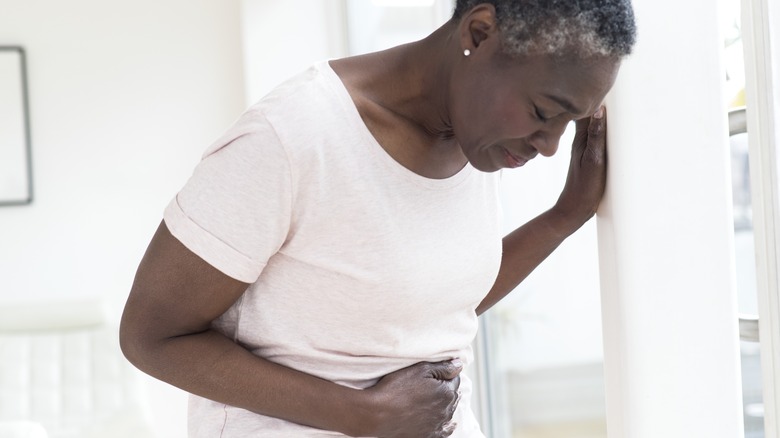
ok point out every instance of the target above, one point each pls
(582, 27)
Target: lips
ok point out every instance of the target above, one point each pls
(513, 161)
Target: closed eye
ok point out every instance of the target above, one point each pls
(539, 115)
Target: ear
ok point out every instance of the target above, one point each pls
(478, 25)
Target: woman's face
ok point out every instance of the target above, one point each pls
(504, 112)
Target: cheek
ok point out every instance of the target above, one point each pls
(472, 112)
(484, 115)
(485, 118)
(505, 120)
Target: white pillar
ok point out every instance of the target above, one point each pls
(671, 348)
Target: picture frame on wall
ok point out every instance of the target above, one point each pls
(16, 182)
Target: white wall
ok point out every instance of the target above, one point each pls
(124, 97)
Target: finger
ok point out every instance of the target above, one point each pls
(582, 125)
(453, 406)
(580, 136)
(597, 130)
(447, 370)
(449, 428)
(455, 383)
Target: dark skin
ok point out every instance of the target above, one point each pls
(433, 109)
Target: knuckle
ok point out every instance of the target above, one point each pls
(596, 129)
(596, 142)
(443, 394)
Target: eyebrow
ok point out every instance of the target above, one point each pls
(565, 104)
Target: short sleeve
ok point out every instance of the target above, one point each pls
(234, 212)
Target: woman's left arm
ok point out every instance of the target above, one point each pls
(526, 247)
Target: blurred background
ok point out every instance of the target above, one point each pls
(123, 99)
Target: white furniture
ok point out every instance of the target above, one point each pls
(22, 429)
(62, 374)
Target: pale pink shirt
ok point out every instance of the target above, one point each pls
(358, 266)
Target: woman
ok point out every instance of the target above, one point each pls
(322, 271)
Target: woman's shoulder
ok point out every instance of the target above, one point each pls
(312, 91)
(310, 109)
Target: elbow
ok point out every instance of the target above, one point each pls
(135, 343)
(129, 342)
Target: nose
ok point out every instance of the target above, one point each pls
(546, 140)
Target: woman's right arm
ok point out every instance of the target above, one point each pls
(165, 332)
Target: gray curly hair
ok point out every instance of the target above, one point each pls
(583, 27)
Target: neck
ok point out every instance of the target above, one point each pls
(412, 81)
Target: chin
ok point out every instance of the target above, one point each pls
(485, 167)
(483, 159)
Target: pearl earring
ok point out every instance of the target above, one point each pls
(466, 52)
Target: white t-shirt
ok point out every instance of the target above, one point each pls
(358, 266)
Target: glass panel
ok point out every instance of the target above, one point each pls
(546, 358)
(746, 286)
(744, 244)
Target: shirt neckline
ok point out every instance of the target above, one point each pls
(351, 111)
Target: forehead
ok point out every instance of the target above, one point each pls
(577, 85)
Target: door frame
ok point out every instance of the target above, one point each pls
(760, 25)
